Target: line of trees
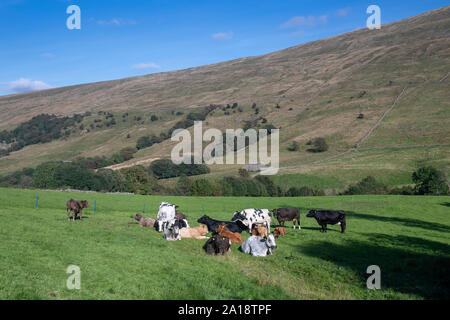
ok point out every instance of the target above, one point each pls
(141, 180)
(40, 129)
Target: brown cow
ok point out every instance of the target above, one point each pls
(194, 233)
(76, 207)
(233, 236)
(279, 231)
(259, 231)
(145, 222)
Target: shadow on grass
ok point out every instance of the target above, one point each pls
(445, 204)
(402, 270)
(404, 221)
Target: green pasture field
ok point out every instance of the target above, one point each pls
(407, 237)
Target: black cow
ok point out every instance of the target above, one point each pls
(217, 245)
(287, 214)
(324, 217)
(212, 224)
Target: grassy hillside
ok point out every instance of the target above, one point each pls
(396, 74)
(408, 237)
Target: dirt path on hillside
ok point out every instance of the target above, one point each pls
(381, 119)
(145, 161)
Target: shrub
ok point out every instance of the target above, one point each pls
(201, 187)
(294, 146)
(183, 187)
(143, 142)
(430, 181)
(244, 173)
(138, 180)
(300, 192)
(405, 190)
(320, 145)
(165, 168)
(367, 186)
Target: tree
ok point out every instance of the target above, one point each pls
(367, 186)
(184, 185)
(294, 146)
(128, 153)
(320, 145)
(143, 142)
(430, 181)
(138, 180)
(201, 187)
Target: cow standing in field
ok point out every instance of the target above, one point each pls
(76, 207)
(324, 217)
(250, 217)
(287, 214)
(166, 213)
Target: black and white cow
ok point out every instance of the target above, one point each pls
(250, 217)
(166, 213)
(324, 217)
(172, 230)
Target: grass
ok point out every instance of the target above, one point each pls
(408, 237)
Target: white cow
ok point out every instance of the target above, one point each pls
(259, 246)
(166, 213)
(250, 217)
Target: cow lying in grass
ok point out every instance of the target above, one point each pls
(259, 231)
(212, 224)
(217, 245)
(194, 233)
(76, 207)
(324, 217)
(258, 246)
(233, 236)
(279, 232)
(145, 222)
(172, 231)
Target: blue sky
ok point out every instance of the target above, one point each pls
(124, 38)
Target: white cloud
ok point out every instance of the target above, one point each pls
(118, 22)
(301, 21)
(343, 12)
(142, 66)
(26, 85)
(223, 36)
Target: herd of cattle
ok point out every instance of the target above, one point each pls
(174, 226)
